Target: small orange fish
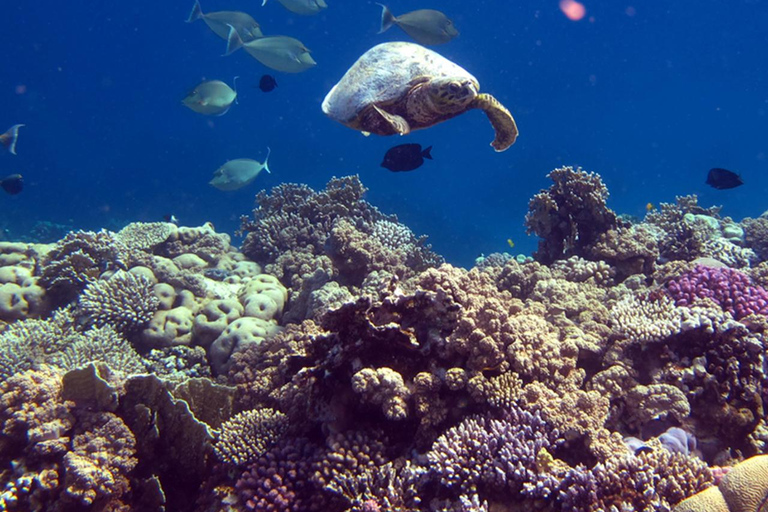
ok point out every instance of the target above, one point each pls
(650, 207)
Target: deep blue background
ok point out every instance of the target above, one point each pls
(649, 97)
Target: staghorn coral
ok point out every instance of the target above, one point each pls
(125, 301)
(246, 436)
(570, 216)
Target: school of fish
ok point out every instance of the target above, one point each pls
(288, 54)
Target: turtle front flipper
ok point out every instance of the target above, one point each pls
(501, 120)
(376, 120)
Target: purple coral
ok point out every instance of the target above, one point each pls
(731, 289)
(494, 454)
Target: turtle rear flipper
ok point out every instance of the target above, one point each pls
(501, 120)
(377, 120)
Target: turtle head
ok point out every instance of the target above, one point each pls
(451, 95)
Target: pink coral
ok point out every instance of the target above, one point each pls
(731, 289)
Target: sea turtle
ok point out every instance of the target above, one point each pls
(398, 87)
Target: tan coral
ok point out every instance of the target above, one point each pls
(383, 386)
(743, 489)
(708, 500)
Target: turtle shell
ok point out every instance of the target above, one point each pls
(383, 76)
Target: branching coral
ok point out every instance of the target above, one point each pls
(647, 482)
(246, 436)
(484, 455)
(295, 216)
(571, 215)
(78, 258)
(294, 225)
(125, 301)
(101, 459)
(682, 235)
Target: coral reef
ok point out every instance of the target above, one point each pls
(336, 364)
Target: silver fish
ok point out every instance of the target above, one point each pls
(8, 139)
(211, 98)
(425, 26)
(303, 7)
(282, 53)
(238, 173)
(220, 21)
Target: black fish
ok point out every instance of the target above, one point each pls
(405, 157)
(722, 179)
(12, 184)
(267, 83)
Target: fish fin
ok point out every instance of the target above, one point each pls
(196, 13)
(387, 18)
(234, 42)
(264, 3)
(234, 86)
(8, 139)
(426, 153)
(266, 161)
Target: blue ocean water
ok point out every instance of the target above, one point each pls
(648, 95)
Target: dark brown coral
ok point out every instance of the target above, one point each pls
(570, 216)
